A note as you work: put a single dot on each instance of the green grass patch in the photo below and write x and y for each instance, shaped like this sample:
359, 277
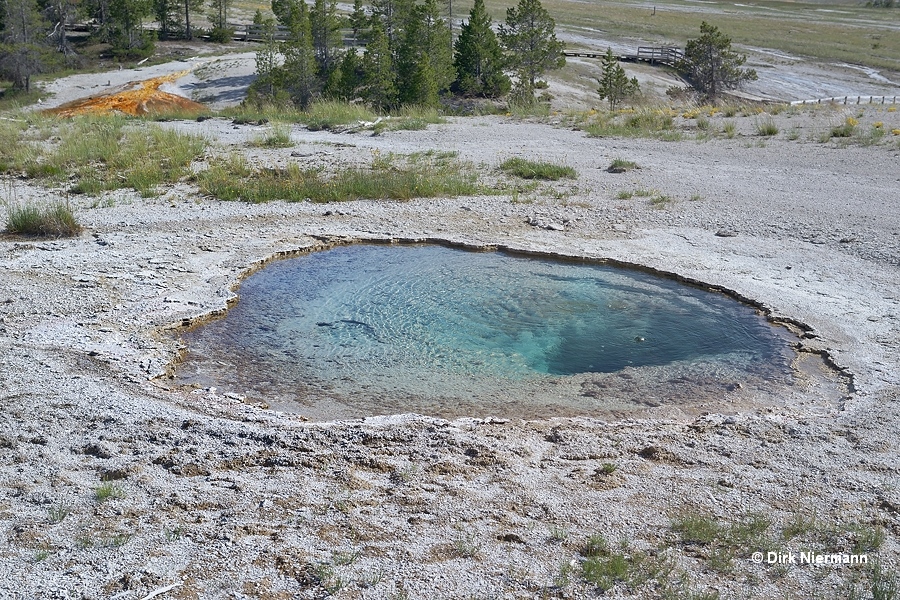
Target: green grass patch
723, 541
108, 491
620, 165
51, 220
643, 123
97, 154
278, 136
766, 127
411, 118
330, 114
422, 176
605, 567
529, 169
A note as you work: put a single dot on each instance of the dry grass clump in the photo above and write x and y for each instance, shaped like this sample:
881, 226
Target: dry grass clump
52, 220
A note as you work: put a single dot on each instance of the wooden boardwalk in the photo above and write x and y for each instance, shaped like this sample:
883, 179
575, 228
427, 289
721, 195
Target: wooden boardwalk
668, 56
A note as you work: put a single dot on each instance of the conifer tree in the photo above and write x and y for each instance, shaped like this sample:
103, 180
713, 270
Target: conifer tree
266, 57
614, 83
127, 35
359, 22
325, 25
378, 86
219, 17
479, 59
530, 41
351, 76
711, 65
394, 15
424, 64
299, 72
22, 49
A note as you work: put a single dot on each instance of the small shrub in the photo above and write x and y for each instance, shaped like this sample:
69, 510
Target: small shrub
58, 513
596, 545
466, 546
608, 468
108, 491
729, 128
528, 169
279, 136
794, 134
624, 195
702, 123
54, 220
620, 165
661, 200
695, 528
884, 585
845, 129
766, 127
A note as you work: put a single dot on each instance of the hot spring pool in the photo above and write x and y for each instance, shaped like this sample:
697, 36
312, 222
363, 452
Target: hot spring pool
367, 330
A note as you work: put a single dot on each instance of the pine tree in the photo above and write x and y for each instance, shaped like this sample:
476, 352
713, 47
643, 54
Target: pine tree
22, 51
614, 83
190, 6
378, 87
218, 15
359, 22
530, 41
325, 25
127, 35
351, 76
266, 57
479, 59
394, 16
299, 72
424, 64
710, 64
168, 15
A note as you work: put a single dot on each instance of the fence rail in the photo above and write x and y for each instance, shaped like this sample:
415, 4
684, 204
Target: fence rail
847, 100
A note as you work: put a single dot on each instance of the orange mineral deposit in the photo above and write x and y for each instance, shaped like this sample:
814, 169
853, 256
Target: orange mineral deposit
134, 98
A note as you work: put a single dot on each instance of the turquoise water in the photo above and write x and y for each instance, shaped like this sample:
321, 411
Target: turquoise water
368, 329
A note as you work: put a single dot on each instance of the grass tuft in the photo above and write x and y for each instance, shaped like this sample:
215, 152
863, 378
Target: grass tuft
53, 220
108, 491
529, 169
766, 127
620, 165
330, 114
279, 136
423, 176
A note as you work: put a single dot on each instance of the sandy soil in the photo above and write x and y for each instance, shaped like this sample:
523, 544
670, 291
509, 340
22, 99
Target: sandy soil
231, 500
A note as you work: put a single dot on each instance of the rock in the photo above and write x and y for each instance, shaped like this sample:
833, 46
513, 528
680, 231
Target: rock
726, 233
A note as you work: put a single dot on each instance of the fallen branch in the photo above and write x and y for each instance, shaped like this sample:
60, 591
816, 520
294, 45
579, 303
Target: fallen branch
161, 590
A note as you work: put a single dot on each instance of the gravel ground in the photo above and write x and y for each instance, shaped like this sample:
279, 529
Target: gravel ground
113, 483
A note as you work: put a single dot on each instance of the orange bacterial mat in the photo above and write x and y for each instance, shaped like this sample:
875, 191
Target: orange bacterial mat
135, 98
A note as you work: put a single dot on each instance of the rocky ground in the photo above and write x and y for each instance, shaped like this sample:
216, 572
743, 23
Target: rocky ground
116, 484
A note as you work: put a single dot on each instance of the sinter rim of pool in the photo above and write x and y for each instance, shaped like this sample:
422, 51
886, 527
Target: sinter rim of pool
591, 385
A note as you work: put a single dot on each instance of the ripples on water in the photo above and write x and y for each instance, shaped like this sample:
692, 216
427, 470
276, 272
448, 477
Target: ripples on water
368, 329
